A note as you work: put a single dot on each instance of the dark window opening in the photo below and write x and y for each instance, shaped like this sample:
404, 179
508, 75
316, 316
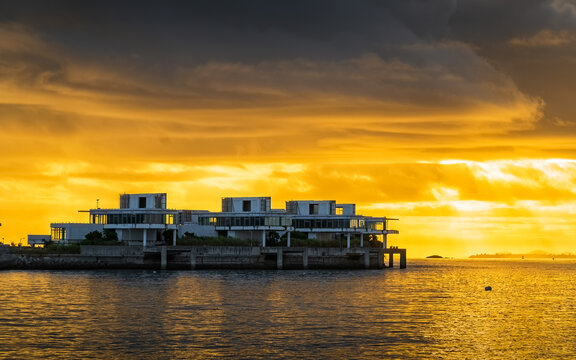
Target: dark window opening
142, 202
313, 209
246, 205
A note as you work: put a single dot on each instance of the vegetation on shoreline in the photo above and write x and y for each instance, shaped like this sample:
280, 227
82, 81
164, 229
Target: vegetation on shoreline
533, 255
192, 240
297, 239
109, 237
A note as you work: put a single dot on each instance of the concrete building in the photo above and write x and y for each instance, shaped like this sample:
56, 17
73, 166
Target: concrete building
144, 219
36, 240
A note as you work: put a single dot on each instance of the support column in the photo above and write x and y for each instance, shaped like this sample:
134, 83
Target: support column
403, 259
384, 241
120, 235
144, 236
361, 240
288, 239
279, 259
163, 258
192, 260
380, 258
305, 258
367, 258
174, 236
348, 240
391, 260
263, 238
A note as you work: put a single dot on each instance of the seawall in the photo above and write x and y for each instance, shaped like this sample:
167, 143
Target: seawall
207, 257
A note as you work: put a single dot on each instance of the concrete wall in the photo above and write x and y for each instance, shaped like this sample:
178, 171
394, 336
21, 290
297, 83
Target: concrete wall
200, 257
347, 209
150, 201
34, 240
302, 207
98, 250
76, 232
236, 204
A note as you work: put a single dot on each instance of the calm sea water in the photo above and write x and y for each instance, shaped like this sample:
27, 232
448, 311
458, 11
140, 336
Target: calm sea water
435, 309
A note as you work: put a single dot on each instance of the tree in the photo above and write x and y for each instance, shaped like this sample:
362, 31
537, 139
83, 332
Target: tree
97, 238
273, 238
110, 235
93, 236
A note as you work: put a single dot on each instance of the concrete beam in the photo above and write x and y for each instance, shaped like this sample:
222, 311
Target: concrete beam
279, 259
192, 260
163, 258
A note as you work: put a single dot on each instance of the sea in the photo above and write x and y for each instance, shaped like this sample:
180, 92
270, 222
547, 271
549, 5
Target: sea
434, 309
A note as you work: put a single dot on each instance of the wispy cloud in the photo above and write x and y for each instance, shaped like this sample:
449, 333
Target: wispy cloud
546, 38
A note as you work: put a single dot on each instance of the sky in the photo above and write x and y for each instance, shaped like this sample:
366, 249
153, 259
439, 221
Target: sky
457, 117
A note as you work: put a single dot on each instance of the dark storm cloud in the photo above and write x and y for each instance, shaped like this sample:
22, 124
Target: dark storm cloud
184, 32
486, 21
228, 30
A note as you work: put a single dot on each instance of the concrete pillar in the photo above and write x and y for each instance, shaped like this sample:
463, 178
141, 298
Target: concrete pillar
367, 258
348, 240
263, 238
174, 236
391, 260
280, 259
144, 236
380, 258
163, 258
305, 258
362, 240
385, 241
120, 235
288, 239
403, 259
192, 260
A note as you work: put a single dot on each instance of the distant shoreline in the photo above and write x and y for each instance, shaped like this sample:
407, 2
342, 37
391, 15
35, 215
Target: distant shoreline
523, 256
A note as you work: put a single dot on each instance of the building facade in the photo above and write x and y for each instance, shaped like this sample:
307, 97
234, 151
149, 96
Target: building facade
144, 219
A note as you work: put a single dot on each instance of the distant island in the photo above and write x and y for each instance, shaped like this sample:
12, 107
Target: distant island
434, 257
531, 255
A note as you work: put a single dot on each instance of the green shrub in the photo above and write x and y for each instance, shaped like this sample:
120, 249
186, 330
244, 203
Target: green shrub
192, 240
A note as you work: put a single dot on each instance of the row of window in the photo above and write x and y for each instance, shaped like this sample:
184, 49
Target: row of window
327, 223
245, 221
133, 219
285, 221
58, 233
337, 224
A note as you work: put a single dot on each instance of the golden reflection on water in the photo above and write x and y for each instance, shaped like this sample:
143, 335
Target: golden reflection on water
433, 309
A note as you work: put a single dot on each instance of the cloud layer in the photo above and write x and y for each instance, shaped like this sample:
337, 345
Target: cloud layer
447, 109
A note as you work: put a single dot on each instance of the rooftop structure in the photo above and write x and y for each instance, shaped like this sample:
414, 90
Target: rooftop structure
144, 219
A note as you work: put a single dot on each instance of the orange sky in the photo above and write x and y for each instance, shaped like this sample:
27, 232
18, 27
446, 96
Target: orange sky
469, 141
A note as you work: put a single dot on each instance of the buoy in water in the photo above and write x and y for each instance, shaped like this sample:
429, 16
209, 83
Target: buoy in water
488, 288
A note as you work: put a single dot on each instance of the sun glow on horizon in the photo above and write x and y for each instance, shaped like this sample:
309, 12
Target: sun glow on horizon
459, 207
